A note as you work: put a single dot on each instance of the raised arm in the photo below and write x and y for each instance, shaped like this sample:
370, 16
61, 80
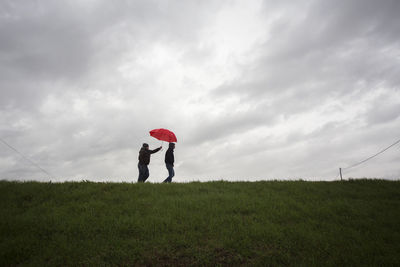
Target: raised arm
155, 150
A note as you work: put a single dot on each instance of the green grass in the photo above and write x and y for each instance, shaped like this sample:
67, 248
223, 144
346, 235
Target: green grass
297, 223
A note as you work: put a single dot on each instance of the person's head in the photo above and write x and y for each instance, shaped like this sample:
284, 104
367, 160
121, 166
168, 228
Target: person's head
172, 145
145, 146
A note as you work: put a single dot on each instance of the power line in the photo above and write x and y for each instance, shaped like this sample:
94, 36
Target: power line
27, 159
380, 152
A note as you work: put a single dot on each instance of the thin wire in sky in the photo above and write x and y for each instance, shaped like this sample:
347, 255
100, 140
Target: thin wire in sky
373, 156
27, 159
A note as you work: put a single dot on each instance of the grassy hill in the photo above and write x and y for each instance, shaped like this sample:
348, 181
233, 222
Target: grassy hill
273, 223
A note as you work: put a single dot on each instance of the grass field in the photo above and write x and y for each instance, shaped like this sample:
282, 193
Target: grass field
296, 223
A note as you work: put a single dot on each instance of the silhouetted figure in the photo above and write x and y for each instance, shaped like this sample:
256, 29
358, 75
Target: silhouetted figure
144, 160
169, 162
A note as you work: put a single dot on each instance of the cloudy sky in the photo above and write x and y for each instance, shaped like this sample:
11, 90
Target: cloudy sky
253, 90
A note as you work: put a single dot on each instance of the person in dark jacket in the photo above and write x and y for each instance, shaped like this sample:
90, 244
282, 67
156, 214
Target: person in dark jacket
169, 162
144, 160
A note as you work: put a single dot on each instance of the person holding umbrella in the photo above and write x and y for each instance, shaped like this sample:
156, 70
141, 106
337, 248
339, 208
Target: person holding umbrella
144, 160
167, 136
169, 162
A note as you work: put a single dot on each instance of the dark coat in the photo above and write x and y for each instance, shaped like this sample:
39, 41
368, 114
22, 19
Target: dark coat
144, 155
169, 156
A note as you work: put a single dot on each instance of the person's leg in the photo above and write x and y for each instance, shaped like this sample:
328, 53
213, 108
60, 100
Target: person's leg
141, 173
171, 173
146, 173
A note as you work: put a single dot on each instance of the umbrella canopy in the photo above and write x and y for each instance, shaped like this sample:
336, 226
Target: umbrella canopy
163, 135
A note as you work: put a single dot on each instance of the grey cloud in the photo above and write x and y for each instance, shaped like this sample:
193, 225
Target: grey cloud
340, 44
43, 43
231, 123
314, 53
329, 26
383, 113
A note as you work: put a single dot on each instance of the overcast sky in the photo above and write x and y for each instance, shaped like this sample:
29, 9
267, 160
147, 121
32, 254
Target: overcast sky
253, 90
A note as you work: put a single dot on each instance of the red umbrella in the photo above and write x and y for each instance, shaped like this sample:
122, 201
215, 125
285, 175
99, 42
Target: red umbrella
163, 135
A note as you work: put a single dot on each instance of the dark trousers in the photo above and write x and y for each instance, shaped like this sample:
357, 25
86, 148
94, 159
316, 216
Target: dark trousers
171, 173
143, 173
